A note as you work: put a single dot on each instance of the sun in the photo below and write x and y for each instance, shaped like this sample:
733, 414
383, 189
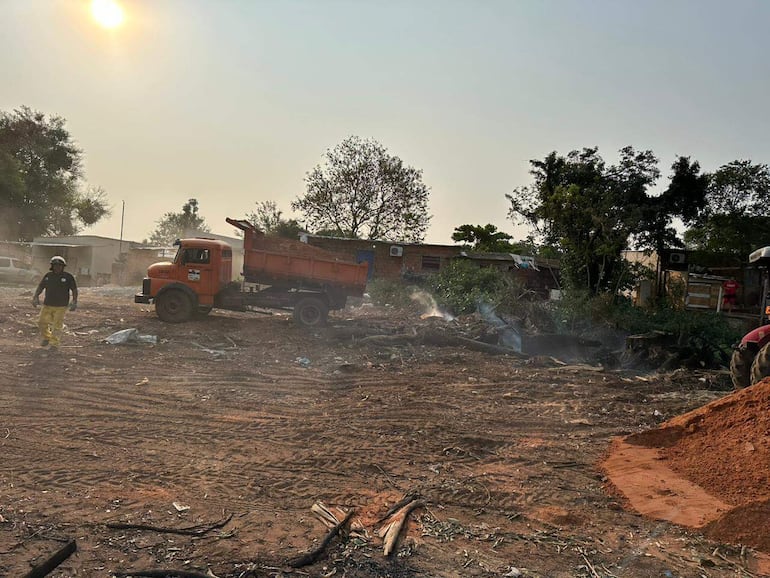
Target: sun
108, 13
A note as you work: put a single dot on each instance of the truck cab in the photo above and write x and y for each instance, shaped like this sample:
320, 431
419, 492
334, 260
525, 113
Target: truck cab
201, 269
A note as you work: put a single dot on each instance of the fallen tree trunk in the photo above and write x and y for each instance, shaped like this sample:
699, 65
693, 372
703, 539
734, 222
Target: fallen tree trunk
398, 339
440, 340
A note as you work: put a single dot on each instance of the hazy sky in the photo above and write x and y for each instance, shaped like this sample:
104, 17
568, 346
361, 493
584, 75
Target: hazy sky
234, 101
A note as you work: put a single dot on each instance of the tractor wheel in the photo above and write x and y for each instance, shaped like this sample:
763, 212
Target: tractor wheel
174, 306
740, 367
311, 312
760, 367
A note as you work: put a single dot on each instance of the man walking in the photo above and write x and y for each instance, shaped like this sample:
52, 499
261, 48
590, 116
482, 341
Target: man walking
730, 291
57, 284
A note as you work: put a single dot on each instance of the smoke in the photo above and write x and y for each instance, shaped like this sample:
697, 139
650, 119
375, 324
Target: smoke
428, 305
509, 335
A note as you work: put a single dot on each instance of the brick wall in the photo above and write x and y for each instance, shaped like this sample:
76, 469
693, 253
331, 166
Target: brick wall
414, 259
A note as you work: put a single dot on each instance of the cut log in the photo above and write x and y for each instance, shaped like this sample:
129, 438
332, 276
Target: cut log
50, 564
393, 529
441, 339
398, 339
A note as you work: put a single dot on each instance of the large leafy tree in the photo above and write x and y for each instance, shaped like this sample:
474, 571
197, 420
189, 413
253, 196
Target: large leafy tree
487, 238
362, 191
737, 219
591, 210
269, 218
42, 189
685, 199
482, 238
172, 226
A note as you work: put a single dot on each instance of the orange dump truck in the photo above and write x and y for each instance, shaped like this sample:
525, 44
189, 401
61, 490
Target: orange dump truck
277, 273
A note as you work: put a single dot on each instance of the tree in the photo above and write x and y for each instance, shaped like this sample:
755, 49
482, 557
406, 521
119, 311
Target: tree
268, 218
489, 239
41, 179
591, 210
172, 226
736, 216
364, 192
684, 198
486, 238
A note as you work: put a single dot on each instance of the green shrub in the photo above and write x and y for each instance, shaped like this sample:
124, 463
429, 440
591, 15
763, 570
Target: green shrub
580, 313
389, 292
461, 285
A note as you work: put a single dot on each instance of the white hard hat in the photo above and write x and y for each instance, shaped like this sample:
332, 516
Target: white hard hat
57, 260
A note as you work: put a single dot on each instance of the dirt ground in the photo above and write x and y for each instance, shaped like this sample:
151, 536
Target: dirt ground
233, 426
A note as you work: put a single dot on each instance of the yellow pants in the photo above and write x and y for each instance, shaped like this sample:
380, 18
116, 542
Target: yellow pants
51, 322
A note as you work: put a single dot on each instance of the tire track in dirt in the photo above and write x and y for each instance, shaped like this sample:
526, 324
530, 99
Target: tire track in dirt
222, 453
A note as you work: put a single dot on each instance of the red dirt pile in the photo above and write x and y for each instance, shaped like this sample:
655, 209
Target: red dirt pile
722, 448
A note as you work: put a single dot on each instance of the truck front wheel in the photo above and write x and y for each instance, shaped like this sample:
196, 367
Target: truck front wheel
173, 306
311, 312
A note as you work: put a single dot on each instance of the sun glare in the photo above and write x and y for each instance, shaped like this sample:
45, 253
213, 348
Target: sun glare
107, 13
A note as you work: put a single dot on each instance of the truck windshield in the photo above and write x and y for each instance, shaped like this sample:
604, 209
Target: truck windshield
196, 255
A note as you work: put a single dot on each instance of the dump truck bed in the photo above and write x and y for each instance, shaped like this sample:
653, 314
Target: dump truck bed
295, 264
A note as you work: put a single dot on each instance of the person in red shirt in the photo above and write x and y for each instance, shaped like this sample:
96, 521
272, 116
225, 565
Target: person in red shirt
729, 293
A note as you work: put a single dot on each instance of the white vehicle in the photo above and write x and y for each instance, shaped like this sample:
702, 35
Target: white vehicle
13, 270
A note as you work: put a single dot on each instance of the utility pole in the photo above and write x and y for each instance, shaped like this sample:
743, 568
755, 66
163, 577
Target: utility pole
122, 215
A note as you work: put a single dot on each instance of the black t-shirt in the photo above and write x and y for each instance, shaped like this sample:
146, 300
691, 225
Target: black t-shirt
57, 288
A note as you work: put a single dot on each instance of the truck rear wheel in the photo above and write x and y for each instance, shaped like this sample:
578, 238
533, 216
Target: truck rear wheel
760, 368
740, 367
311, 312
173, 306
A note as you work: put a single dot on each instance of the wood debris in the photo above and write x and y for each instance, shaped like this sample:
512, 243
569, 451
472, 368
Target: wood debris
189, 531
312, 556
392, 529
50, 563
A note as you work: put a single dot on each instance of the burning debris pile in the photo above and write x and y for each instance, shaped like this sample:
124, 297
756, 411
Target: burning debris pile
486, 330
533, 331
